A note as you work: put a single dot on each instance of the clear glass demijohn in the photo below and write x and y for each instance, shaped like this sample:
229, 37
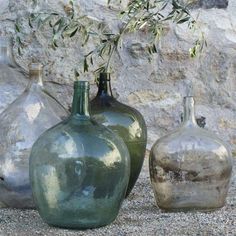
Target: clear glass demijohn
190, 169
21, 124
13, 79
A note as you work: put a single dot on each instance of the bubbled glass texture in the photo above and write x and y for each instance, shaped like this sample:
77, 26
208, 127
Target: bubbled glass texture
21, 124
79, 171
190, 168
126, 122
13, 79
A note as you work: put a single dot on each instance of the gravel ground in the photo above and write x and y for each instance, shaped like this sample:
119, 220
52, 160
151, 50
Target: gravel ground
138, 216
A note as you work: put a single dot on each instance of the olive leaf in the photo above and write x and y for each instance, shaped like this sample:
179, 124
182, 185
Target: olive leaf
148, 15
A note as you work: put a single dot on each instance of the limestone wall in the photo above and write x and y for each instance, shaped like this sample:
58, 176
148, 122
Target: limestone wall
155, 89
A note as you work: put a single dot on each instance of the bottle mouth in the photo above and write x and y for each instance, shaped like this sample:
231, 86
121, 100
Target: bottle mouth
104, 76
35, 68
81, 85
189, 99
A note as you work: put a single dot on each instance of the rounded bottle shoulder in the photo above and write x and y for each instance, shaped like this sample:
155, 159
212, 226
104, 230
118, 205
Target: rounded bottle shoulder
100, 103
30, 105
29, 110
193, 138
81, 130
122, 119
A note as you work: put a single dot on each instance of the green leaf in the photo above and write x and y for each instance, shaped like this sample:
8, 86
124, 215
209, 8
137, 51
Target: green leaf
154, 49
18, 40
17, 27
77, 74
74, 32
30, 23
91, 60
175, 4
19, 51
70, 31
85, 65
183, 20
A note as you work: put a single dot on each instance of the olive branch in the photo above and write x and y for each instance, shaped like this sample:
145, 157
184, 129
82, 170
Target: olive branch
150, 16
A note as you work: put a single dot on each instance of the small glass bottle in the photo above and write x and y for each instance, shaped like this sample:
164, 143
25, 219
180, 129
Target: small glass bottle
13, 79
21, 124
190, 169
125, 121
79, 170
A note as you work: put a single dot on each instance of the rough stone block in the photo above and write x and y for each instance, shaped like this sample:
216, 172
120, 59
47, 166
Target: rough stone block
210, 4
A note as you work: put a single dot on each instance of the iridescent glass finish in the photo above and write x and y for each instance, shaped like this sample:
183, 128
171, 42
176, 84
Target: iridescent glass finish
13, 79
125, 121
79, 170
190, 168
21, 124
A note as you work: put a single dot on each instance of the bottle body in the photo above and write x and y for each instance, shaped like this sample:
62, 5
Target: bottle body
190, 169
126, 122
79, 173
21, 124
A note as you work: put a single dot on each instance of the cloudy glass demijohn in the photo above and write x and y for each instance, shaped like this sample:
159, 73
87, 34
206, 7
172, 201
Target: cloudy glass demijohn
33, 112
190, 168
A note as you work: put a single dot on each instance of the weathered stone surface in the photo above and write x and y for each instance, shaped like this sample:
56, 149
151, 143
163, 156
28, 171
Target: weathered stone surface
155, 88
210, 3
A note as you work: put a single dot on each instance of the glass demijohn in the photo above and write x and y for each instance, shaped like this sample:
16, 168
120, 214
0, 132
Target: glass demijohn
21, 124
12, 78
190, 168
79, 169
125, 121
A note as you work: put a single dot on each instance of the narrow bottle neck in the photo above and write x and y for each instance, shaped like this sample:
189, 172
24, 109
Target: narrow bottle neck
80, 104
104, 85
189, 112
36, 79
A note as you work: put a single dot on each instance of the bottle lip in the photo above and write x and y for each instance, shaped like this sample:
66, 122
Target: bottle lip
189, 99
81, 84
185, 97
35, 67
104, 76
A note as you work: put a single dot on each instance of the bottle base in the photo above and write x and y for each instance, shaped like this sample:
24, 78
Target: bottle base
190, 209
78, 226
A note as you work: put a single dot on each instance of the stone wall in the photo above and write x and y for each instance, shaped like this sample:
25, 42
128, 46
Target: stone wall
156, 89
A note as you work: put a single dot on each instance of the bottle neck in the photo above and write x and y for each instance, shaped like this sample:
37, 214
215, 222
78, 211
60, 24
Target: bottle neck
80, 105
104, 85
36, 78
189, 112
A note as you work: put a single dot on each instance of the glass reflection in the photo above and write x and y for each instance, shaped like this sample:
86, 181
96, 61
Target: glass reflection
125, 121
90, 170
190, 169
13, 79
21, 124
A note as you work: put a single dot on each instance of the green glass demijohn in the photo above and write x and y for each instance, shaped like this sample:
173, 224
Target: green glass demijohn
32, 113
190, 168
79, 169
125, 121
